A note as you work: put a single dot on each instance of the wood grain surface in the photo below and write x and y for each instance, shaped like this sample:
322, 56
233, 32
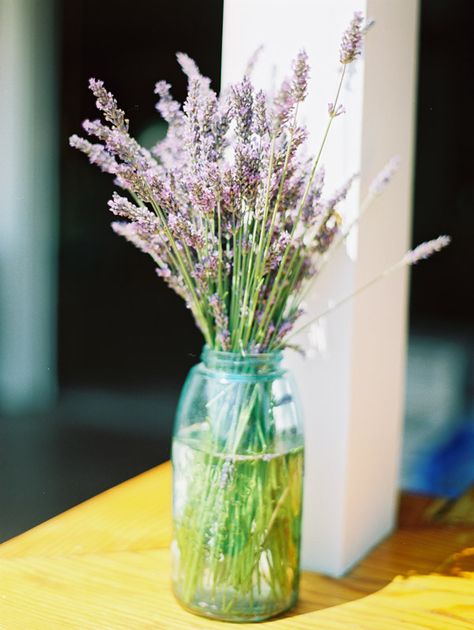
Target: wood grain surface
105, 565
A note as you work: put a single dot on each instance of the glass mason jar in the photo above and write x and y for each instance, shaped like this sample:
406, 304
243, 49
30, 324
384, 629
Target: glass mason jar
237, 488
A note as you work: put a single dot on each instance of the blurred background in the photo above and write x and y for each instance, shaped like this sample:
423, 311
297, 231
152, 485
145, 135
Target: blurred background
93, 347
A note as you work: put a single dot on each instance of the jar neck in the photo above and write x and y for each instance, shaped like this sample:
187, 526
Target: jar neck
264, 364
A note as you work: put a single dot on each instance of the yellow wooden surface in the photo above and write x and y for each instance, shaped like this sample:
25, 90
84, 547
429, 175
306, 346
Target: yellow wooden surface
105, 565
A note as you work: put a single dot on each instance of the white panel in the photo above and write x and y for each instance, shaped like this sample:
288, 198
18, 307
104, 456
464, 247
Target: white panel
352, 393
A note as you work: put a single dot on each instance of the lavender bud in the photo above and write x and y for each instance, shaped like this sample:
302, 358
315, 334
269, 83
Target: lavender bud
221, 319
242, 105
260, 118
167, 106
163, 272
300, 76
335, 111
107, 104
351, 45
96, 153
341, 193
382, 179
253, 60
425, 250
96, 128
284, 103
191, 70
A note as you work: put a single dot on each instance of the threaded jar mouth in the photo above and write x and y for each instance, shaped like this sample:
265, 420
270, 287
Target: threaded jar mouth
238, 363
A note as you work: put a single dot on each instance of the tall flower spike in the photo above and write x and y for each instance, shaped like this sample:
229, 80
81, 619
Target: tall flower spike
122, 207
284, 103
96, 153
425, 250
341, 193
253, 60
221, 319
260, 117
96, 128
351, 45
242, 103
167, 106
191, 70
107, 104
300, 76
382, 179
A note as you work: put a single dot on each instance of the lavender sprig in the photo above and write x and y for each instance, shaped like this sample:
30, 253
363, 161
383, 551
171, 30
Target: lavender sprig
351, 45
106, 103
383, 179
425, 250
412, 257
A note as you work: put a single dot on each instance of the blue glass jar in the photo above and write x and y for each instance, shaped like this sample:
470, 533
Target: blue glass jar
237, 488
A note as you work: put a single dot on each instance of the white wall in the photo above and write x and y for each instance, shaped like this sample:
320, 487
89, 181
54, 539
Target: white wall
353, 392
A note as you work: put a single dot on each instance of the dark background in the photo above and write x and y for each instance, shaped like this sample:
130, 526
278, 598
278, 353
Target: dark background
130, 330
125, 341
441, 292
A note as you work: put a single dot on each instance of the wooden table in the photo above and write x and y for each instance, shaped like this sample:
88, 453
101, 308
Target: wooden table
105, 565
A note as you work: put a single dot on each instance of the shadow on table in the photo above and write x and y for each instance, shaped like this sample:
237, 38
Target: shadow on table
90, 442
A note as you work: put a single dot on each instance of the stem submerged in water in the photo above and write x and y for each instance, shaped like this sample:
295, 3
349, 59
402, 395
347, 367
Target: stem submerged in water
237, 512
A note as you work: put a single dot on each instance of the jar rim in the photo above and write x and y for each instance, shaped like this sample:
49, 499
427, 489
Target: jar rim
231, 355
264, 365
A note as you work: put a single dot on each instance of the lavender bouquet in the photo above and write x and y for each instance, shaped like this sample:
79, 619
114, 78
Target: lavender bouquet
232, 214
236, 220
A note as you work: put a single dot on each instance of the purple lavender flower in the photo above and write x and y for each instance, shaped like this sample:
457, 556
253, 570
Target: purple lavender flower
334, 111
247, 171
341, 193
121, 206
251, 63
96, 128
284, 329
277, 249
129, 179
96, 153
284, 104
425, 250
260, 118
205, 272
221, 319
201, 195
382, 179
185, 231
175, 281
267, 338
167, 106
163, 272
300, 76
313, 207
242, 102
107, 104
138, 237
190, 69
327, 232
351, 45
